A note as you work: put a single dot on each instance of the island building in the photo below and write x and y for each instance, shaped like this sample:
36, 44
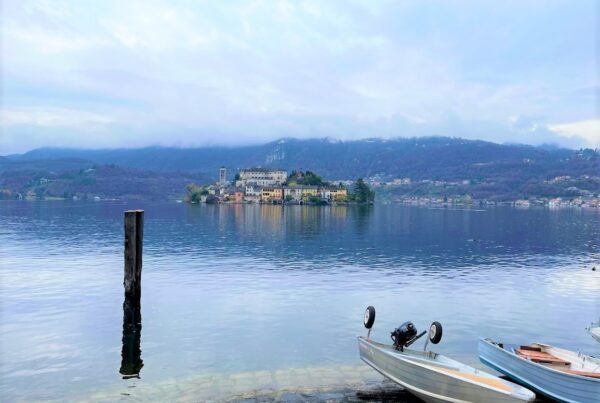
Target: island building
271, 194
223, 176
262, 185
261, 177
333, 193
238, 196
301, 194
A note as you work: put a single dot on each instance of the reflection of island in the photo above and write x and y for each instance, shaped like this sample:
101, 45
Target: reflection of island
131, 352
362, 215
287, 234
271, 219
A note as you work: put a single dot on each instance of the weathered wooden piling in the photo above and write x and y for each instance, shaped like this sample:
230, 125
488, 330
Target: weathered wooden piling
134, 241
131, 361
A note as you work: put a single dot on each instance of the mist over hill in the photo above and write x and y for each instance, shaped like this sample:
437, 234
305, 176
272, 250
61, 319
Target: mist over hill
500, 167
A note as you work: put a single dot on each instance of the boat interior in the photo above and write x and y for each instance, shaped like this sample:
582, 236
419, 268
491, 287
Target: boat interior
559, 359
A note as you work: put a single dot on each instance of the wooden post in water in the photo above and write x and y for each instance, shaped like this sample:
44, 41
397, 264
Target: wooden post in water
134, 241
131, 361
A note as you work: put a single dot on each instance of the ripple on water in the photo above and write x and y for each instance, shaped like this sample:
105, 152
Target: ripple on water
250, 289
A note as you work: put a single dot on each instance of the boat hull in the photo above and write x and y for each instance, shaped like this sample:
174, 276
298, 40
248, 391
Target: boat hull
431, 385
549, 382
595, 333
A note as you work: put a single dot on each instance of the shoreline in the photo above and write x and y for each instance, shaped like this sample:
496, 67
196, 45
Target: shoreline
476, 205
331, 383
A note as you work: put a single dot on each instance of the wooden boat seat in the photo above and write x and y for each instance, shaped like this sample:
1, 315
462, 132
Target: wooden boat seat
493, 382
536, 354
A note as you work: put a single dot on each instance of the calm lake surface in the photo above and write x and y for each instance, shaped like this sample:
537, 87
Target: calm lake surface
241, 288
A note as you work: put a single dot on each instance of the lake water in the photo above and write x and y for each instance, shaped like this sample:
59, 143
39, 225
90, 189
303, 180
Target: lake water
249, 289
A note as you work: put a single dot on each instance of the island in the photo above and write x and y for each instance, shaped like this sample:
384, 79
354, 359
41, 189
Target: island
275, 186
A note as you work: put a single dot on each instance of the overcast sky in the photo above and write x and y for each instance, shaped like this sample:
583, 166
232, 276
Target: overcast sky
135, 73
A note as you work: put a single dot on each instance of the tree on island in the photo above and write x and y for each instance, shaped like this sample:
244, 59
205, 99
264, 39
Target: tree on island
307, 178
195, 193
212, 199
362, 193
316, 200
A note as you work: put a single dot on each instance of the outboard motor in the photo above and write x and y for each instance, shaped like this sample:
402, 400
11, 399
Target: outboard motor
405, 335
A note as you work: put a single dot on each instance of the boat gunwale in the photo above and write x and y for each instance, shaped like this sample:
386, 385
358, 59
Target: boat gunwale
512, 353
515, 389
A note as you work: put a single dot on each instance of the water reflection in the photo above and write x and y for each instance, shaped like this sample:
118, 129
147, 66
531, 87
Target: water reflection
362, 216
285, 286
407, 235
131, 352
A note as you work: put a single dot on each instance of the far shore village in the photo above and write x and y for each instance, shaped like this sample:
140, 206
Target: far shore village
274, 186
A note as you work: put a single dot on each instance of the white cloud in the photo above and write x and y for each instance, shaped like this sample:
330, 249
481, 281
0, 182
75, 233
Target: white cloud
588, 130
50, 117
46, 42
253, 71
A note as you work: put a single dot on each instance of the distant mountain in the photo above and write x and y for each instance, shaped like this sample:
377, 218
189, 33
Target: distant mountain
91, 180
483, 169
418, 158
18, 163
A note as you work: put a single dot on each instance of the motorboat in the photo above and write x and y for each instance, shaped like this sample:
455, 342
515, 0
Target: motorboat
594, 330
551, 371
431, 376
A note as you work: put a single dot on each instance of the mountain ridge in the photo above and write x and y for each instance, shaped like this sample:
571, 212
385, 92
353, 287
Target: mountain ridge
432, 166
338, 159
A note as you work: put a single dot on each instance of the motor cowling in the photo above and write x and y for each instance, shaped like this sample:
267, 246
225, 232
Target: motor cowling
403, 334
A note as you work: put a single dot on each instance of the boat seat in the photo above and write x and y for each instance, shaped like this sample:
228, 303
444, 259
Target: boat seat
531, 348
536, 354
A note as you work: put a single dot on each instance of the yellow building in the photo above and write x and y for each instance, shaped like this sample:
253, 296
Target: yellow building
269, 194
334, 194
309, 191
339, 194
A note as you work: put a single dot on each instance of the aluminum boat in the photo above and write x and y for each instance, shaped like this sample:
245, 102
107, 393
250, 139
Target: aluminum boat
594, 330
431, 376
554, 372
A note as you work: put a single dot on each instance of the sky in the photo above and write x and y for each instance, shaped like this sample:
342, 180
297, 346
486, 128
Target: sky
127, 73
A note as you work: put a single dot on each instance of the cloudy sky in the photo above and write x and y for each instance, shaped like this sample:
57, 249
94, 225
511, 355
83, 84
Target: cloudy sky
135, 73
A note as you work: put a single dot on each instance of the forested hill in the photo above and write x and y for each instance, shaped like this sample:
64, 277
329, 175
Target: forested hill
437, 158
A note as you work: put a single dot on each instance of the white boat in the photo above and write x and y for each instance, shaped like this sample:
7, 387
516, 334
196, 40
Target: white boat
594, 330
554, 372
434, 377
